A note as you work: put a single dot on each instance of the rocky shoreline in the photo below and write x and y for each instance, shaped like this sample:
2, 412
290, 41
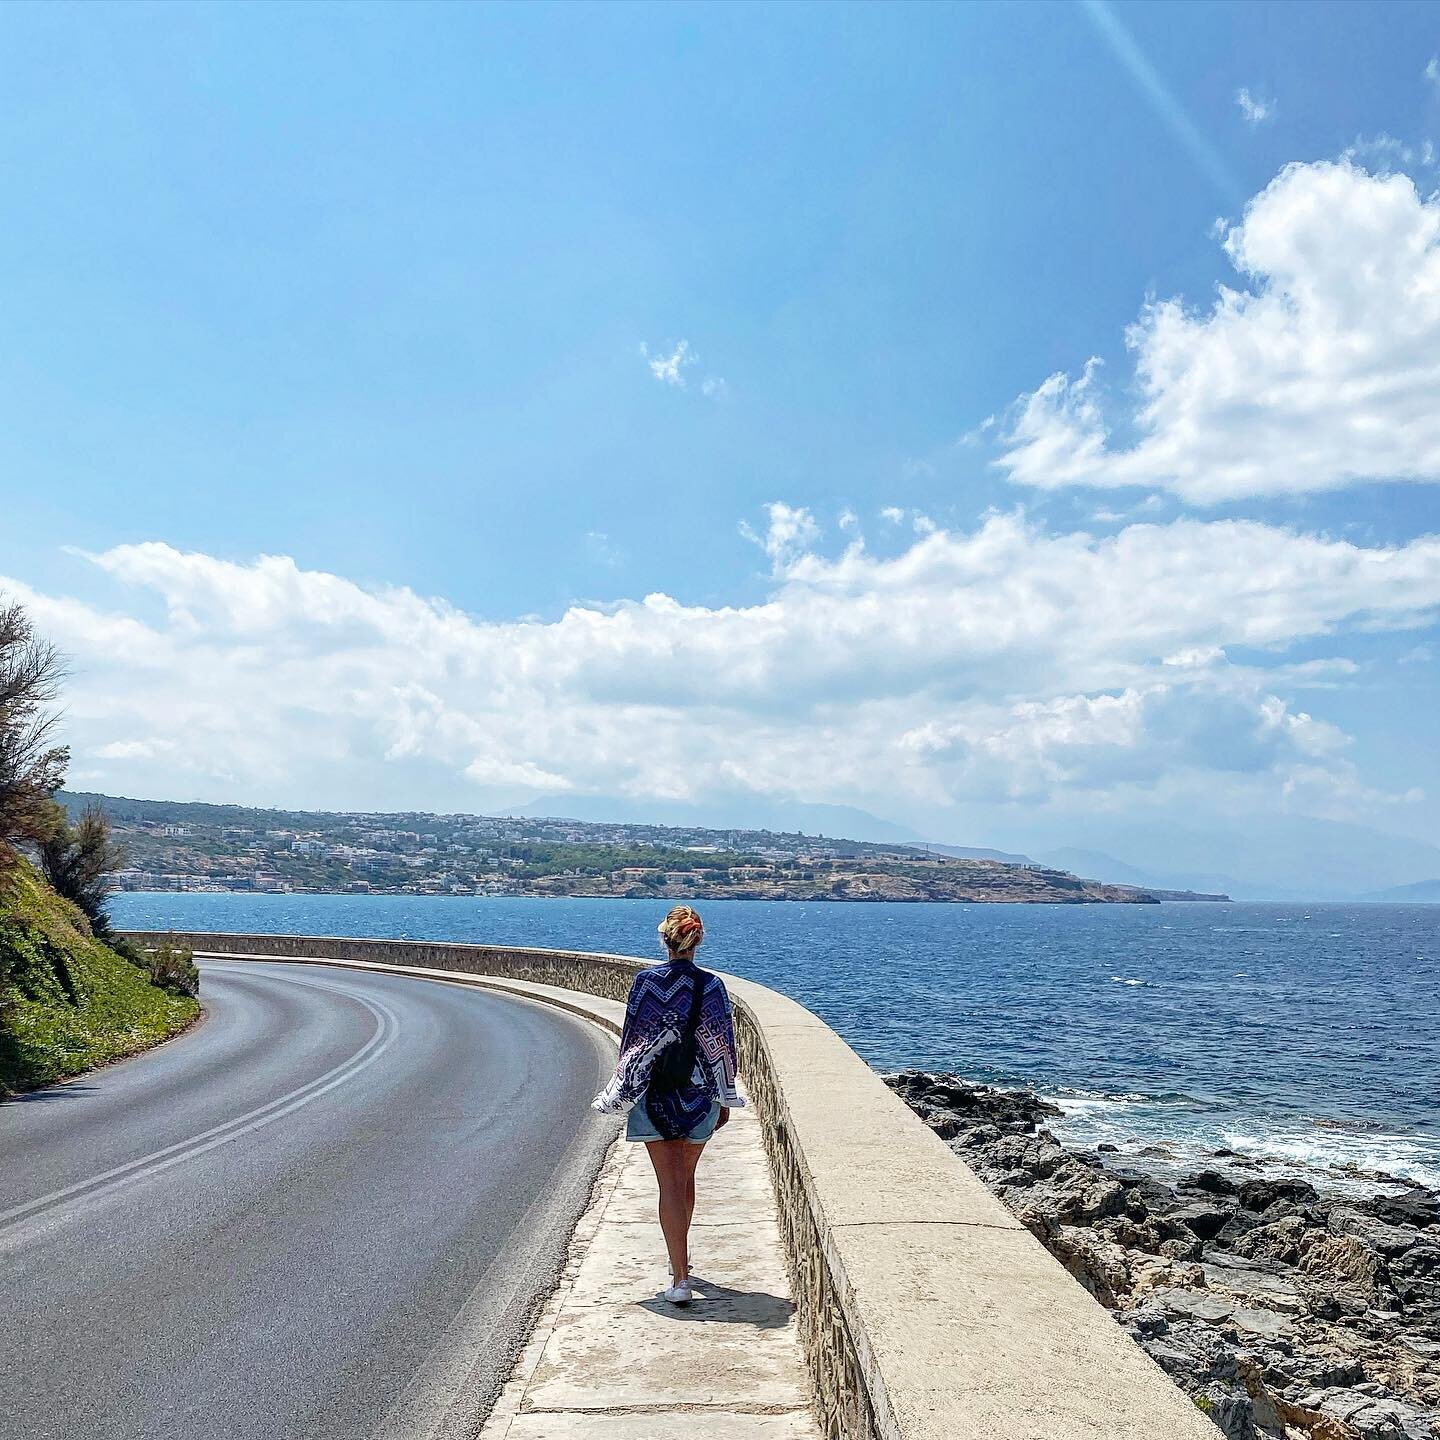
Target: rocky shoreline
1283, 1312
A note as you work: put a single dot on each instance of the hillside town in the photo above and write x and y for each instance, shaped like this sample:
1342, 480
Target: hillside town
178, 846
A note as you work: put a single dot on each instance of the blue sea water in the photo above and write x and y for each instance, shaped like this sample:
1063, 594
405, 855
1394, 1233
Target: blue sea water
1305, 1033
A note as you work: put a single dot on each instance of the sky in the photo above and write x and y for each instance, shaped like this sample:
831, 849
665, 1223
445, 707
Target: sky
1019, 422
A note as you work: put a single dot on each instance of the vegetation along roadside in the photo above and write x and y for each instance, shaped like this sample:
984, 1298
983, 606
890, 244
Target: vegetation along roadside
72, 995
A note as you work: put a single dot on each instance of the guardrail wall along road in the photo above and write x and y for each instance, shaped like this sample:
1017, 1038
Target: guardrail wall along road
926, 1310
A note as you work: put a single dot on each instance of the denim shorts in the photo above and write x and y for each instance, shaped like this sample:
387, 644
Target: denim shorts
640, 1126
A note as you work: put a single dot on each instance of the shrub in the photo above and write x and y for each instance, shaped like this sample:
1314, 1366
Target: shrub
77, 860
30, 768
172, 967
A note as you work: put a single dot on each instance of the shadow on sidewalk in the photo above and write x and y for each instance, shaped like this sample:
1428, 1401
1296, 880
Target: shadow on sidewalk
732, 1307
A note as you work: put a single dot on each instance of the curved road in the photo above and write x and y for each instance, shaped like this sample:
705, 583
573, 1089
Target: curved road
327, 1211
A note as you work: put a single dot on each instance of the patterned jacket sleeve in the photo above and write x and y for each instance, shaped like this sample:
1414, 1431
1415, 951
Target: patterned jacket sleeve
639, 1045
716, 1042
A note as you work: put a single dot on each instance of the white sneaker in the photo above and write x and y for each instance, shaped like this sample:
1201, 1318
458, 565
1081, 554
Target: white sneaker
680, 1294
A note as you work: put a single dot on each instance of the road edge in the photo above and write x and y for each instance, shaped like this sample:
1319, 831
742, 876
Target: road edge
452, 1395
607, 1014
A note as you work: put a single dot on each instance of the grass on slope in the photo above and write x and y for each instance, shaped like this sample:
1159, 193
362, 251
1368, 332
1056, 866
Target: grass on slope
67, 1002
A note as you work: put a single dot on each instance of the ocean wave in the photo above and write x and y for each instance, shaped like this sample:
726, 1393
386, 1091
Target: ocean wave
1330, 1153
1068, 1095
1407, 1157
1126, 980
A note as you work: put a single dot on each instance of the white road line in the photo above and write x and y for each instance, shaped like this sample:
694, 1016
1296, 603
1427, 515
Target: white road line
382, 1037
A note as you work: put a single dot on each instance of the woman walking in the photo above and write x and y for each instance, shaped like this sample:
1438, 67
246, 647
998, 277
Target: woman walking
676, 1076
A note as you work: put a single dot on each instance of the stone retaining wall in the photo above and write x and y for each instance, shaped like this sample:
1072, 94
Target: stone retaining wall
926, 1311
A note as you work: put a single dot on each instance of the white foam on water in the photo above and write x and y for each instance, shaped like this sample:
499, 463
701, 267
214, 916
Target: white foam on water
1407, 1157
1188, 1132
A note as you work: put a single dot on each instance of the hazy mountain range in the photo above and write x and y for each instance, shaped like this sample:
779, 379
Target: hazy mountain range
1282, 857
1424, 892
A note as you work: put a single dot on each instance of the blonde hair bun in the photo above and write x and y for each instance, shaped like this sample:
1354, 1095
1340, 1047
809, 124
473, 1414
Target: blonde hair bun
682, 929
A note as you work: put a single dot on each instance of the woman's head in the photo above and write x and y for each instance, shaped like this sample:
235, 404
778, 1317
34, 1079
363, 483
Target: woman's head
682, 930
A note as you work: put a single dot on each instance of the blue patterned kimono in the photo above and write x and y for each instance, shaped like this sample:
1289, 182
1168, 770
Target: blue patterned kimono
656, 1012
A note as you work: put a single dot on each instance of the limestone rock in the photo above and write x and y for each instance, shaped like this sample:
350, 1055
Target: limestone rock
1377, 1234
1202, 1219
1284, 1312
1372, 1417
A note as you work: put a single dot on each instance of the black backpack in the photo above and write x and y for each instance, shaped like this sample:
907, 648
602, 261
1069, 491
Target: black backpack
675, 1064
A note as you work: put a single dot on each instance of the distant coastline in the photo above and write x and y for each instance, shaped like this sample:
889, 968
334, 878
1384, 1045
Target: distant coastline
798, 895
173, 845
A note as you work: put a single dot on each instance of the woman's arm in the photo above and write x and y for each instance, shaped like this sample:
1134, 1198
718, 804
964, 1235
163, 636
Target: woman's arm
642, 1037
632, 1075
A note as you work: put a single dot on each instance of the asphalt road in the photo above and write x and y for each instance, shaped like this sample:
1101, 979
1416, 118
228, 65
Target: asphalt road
327, 1211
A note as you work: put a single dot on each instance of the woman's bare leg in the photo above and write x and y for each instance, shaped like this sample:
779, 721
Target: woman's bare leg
674, 1162
689, 1159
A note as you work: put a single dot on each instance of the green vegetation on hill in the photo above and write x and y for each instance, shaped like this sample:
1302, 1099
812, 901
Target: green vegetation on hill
178, 845
71, 994
67, 1002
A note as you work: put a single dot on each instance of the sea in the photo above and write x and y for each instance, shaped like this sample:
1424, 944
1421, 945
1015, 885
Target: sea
1305, 1035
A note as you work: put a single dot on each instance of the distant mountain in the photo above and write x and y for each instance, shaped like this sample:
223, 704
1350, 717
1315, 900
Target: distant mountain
749, 812
1097, 865
1262, 857
1424, 892
970, 852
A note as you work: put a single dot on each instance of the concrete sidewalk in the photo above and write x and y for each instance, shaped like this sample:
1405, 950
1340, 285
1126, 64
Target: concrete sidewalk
610, 1360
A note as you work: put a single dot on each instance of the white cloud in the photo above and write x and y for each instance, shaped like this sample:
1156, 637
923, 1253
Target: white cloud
1006, 662
670, 369
1337, 792
893, 513
1255, 111
1033, 748
1384, 154
1432, 70
492, 770
132, 750
789, 532
1323, 373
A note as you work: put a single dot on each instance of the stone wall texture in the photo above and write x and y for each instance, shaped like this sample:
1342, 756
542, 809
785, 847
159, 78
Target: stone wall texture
925, 1310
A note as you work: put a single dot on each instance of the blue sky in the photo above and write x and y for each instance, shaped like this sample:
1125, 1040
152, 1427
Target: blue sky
397, 292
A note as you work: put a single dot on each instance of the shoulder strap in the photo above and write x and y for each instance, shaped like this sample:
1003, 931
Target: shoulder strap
697, 995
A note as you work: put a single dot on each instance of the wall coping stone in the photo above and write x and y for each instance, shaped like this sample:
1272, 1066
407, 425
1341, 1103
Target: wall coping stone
926, 1310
